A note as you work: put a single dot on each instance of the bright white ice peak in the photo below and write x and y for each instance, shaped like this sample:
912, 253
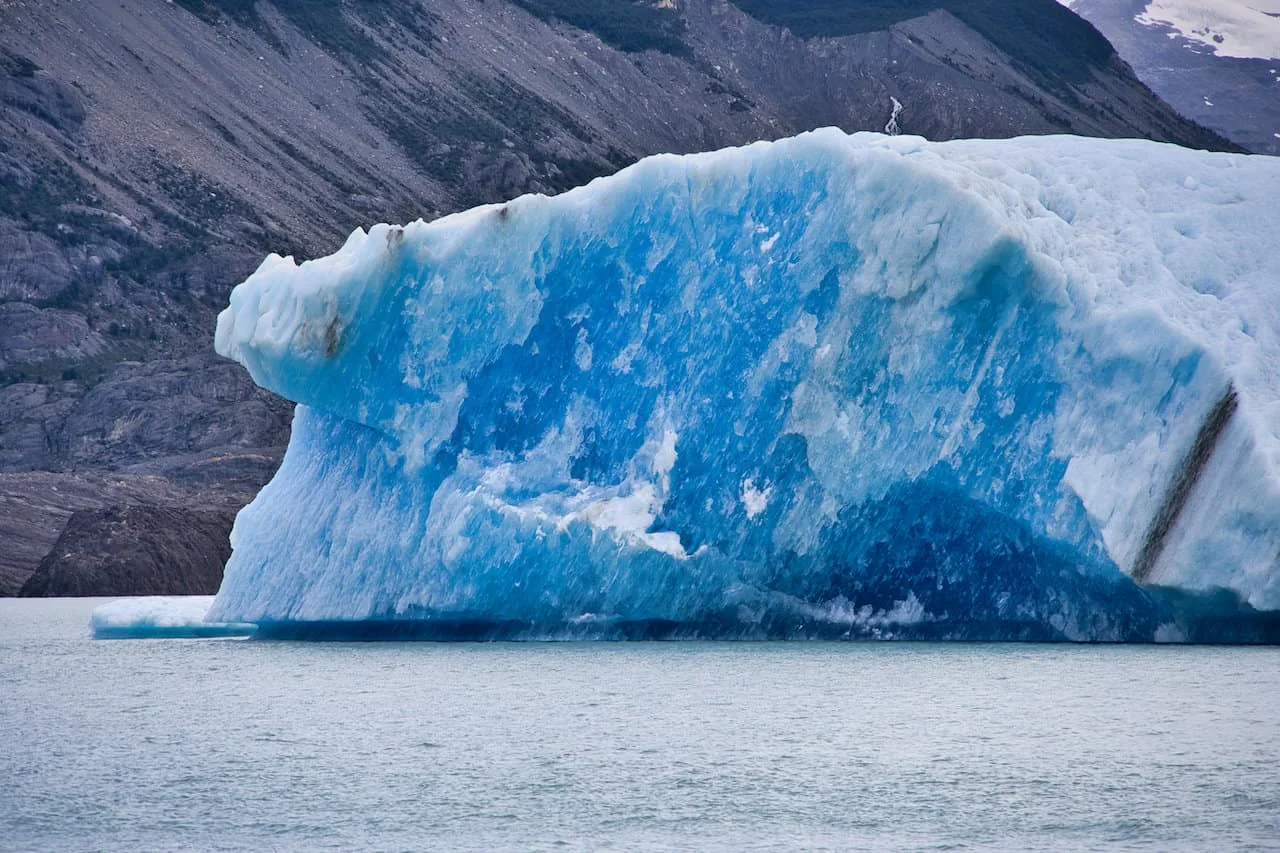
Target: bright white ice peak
643, 397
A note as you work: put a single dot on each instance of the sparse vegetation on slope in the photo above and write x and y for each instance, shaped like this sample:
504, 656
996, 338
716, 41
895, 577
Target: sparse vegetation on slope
338, 26
628, 25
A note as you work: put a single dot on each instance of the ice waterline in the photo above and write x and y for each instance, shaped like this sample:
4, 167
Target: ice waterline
828, 386
161, 617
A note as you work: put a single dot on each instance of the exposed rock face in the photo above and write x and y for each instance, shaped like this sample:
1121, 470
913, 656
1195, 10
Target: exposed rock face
35, 335
130, 550
33, 267
152, 153
141, 414
36, 507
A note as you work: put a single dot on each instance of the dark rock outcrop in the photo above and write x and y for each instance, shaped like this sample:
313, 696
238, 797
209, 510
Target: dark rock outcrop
136, 550
34, 335
36, 507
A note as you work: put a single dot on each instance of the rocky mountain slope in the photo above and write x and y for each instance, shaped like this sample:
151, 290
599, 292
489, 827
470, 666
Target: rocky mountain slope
1231, 87
152, 152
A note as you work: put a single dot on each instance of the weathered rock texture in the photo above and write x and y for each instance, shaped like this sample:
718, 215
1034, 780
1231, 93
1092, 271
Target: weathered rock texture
36, 508
131, 550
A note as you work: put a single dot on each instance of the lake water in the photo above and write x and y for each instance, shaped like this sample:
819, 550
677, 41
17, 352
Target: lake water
244, 744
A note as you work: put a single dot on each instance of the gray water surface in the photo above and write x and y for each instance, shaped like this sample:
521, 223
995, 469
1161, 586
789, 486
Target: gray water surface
244, 744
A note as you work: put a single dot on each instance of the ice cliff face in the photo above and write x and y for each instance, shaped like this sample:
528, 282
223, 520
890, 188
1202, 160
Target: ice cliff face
834, 384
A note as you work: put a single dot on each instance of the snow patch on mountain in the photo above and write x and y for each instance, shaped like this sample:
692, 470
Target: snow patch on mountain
1245, 29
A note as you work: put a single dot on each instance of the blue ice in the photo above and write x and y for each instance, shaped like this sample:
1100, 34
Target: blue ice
828, 386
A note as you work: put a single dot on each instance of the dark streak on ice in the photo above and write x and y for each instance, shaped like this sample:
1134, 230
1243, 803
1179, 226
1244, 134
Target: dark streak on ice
332, 335
1189, 472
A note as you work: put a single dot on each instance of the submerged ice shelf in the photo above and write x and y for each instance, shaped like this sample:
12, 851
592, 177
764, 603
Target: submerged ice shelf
833, 385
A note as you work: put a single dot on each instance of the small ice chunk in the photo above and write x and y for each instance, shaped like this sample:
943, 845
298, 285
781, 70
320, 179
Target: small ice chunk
161, 617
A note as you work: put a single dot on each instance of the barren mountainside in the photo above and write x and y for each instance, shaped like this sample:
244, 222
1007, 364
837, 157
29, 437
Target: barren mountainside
151, 153
1237, 96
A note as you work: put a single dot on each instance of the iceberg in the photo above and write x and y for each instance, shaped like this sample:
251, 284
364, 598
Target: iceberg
830, 386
